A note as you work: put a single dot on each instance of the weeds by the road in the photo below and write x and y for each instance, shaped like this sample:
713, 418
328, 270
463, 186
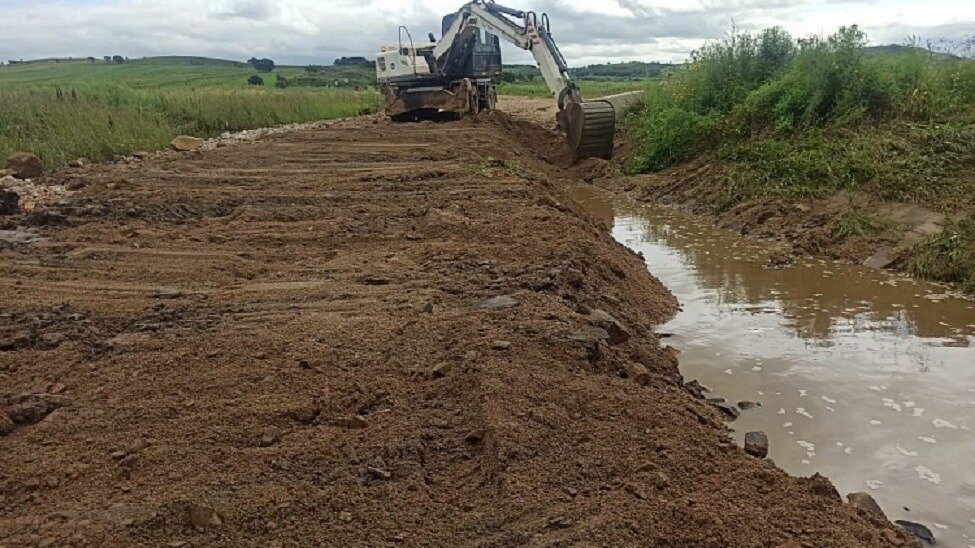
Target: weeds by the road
810, 118
949, 256
590, 89
859, 224
491, 167
98, 122
814, 116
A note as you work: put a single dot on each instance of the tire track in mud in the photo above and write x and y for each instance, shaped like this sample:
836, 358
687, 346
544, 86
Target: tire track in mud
361, 335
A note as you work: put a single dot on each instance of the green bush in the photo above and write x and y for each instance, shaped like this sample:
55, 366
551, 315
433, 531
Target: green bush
671, 136
768, 85
949, 255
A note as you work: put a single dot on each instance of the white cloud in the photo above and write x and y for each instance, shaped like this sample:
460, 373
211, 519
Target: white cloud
316, 31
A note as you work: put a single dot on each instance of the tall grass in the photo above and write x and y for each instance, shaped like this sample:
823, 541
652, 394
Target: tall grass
817, 116
769, 86
100, 121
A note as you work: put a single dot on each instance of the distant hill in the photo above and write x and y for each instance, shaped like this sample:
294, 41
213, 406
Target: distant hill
898, 49
163, 72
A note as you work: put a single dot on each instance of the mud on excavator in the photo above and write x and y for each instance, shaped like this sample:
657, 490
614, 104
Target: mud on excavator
455, 74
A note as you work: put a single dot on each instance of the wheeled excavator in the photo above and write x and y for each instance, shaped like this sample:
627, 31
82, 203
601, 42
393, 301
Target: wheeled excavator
455, 74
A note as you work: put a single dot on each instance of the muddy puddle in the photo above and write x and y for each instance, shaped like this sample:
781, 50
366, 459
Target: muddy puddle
864, 376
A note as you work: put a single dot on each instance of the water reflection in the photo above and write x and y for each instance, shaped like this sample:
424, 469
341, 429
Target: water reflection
864, 376
820, 298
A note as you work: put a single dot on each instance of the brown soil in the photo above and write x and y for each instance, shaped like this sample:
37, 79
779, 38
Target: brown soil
362, 334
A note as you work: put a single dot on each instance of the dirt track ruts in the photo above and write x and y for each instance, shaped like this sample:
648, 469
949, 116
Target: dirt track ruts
294, 343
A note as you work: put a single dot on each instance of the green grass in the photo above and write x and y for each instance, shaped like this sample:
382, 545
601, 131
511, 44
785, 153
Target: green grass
154, 73
100, 122
799, 119
862, 225
591, 89
949, 255
64, 110
492, 167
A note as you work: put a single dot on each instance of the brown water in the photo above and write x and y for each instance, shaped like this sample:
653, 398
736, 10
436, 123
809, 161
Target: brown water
864, 376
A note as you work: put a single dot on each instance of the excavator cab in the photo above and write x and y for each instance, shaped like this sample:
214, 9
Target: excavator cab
482, 54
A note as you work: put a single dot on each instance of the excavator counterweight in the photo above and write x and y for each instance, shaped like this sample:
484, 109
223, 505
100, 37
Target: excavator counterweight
455, 74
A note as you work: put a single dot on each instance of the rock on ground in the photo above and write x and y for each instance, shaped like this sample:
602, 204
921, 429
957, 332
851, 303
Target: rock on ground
866, 503
756, 444
185, 143
25, 166
9, 201
918, 530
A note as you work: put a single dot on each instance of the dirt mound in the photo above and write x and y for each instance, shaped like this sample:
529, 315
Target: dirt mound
373, 340
25, 166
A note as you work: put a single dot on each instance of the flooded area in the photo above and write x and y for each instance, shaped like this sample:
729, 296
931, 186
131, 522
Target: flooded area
864, 376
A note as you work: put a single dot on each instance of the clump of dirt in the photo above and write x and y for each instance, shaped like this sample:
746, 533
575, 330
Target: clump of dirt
366, 343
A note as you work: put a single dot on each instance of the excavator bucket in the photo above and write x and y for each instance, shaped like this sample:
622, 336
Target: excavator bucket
589, 129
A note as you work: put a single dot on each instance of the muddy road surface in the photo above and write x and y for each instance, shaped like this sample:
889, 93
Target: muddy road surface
362, 334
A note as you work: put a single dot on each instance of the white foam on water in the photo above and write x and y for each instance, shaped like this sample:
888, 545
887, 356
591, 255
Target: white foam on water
892, 404
873, 484
906, 452
918, 411
828, 399
728, 371
875, 423
941, 526
787, 424
806, 445
926, 439
848, 450
926, 473
803, 393
802, 411
756, 369
939, 423
781, 411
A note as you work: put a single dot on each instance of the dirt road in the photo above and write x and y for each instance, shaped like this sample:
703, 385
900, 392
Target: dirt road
361, 335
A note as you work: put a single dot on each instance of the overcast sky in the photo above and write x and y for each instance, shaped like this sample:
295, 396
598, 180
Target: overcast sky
317, 31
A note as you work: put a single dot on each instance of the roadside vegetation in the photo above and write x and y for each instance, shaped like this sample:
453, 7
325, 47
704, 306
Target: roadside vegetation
810, 118
97, 111
590, 89
593, 80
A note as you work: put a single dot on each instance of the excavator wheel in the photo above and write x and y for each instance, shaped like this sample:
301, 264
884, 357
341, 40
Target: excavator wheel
589, 129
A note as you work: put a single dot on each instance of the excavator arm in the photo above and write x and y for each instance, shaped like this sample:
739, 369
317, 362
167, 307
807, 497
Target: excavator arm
589, 127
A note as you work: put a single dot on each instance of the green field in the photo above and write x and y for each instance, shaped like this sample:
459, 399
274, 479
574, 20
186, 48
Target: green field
151, 73
63, 110
590, 89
